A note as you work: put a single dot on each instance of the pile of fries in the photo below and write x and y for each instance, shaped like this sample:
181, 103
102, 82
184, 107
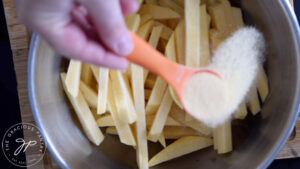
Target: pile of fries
138, 106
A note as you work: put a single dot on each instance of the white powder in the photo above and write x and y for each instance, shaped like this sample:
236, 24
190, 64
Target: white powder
212, 100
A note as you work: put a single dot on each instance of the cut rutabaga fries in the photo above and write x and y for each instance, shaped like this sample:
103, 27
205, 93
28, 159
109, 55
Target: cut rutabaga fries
122, 96
162, 140
123, 128
89, 94
170, 53
169, 121
223, 138
84, 114
204, 41
156, 96
73, 77
158, 12
262, 85
86, 73
176, 132
222, 19
182, 146
185, 31
172, 5
242, 111
111, 130
105, 121
253, 104
145, 18
192, 33
160, 117
102, 90
237, 17
137, 84
153, 41
133, 22
166, 31
180, 42
95, 71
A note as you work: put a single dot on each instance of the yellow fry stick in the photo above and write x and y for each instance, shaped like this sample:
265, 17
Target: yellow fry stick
153, 41
158, 12
153, 2
123, 128
86, 73
95, 71
145, 18
169, 122
262, 85
192, 33
253, 104
137, 83
133, 22
175, 132
84, 114
237, 17
156, 96
122, 96
162, 140
160, 117
172, 5
73, 77
105, 121
111, 130
89, 94
242, 112
204, 41
166, 31
180, 42
102, 90
224, 140
180, 3
180, 147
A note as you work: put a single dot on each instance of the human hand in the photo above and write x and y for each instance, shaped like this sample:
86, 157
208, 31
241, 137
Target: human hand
93, 31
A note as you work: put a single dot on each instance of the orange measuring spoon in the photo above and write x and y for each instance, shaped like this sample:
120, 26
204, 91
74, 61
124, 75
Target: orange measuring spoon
173, 73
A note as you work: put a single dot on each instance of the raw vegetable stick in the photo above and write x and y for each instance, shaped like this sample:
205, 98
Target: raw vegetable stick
253, 104
89, 94
160, 117
102, 90
123, 128
176, 132
137, 83
86, 73
73, 77
242, 111
162, 140
180, 42
224, 140
166, 31
133, 22
262, 85
153, 41
180, 147
158, 12
122, 96
84, 114
204, 41
172, 5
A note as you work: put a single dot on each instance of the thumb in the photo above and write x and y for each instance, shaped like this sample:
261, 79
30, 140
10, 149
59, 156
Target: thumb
110, 25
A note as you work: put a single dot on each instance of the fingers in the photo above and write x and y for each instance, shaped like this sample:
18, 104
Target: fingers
72, 42
129, 6
110, 25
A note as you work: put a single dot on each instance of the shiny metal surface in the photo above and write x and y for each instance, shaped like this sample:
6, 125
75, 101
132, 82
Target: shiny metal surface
256, 141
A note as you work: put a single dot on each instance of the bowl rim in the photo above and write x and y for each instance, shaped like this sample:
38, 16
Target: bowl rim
292, 20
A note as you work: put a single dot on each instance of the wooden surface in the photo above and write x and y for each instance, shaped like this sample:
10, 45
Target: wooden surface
19, 39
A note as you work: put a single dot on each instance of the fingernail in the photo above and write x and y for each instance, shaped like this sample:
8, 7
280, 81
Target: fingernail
124, 46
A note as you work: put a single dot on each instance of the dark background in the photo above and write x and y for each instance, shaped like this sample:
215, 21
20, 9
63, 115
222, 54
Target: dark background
9, 103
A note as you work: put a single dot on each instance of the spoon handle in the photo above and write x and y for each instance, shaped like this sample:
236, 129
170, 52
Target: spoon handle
146, 56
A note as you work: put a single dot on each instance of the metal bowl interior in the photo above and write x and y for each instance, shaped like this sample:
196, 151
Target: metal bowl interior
256, 140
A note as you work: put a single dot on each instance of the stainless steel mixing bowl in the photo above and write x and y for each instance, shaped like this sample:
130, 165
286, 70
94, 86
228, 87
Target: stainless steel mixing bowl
256, 141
